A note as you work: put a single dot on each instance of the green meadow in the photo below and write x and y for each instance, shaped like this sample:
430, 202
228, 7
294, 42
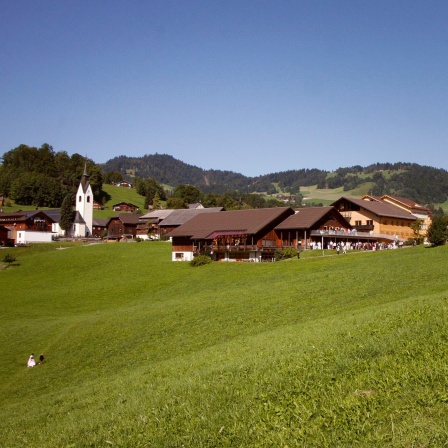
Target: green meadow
325, 351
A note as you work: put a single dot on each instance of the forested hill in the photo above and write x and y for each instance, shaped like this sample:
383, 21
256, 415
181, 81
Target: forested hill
166, 169
423, 184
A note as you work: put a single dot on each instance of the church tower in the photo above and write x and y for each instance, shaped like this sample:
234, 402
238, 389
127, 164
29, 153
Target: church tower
84, 206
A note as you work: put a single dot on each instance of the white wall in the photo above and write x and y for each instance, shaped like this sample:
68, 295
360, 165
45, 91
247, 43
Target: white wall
182, 256
32, 236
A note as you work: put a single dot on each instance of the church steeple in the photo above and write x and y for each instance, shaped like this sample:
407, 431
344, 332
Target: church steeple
85, 179
84, 206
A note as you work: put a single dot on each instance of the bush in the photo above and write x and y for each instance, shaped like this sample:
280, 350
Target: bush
201, 260
9, 259
283, 254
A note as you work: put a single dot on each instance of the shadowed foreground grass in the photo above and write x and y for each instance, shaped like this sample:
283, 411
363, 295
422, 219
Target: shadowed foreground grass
334, 351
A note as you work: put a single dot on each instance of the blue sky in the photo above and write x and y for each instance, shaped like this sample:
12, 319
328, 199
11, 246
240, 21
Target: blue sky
248, 86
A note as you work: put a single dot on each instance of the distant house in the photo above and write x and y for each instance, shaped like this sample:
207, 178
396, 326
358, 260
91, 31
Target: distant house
125, 207
99, 226
123, 184
122, 226
97, 205
195, 206
237, 235
384, 221
313, 224
181, 216
28, 227
149, 223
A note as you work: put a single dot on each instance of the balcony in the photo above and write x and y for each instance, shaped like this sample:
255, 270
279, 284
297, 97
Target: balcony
240, 248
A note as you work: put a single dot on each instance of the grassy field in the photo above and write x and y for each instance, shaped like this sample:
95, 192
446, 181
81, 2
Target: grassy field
334, 351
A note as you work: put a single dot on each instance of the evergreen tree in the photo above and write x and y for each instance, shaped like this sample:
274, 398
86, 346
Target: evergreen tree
156, 202
66, 219
438, 231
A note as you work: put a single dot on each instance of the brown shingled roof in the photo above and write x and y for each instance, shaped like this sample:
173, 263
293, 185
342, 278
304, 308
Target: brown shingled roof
379, 208
404, 201
248, 222
306, 217
181, 216
127, 218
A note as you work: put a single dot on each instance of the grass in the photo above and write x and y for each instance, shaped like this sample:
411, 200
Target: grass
322, 351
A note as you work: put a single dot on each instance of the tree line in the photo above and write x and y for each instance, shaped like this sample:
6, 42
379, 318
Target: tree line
422, 184
43, 177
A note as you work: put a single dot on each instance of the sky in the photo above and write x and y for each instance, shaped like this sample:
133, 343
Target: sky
253, 87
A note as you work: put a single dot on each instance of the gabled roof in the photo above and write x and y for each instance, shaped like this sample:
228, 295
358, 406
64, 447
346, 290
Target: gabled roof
100, 222
248, 222
22, 215
378, 208
181, 216
126, 218
157, 214
307, 217
77, 218
125, 203
406, 202
371, 197
53, 213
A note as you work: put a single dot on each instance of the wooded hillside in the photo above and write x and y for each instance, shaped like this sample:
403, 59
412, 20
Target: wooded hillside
423, 184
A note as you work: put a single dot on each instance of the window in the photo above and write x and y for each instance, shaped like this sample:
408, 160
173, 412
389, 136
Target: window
80, 199
357, 223
88, 198
370, 222
179, 256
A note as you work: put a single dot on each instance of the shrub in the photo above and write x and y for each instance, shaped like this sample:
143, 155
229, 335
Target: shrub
201, 260
283, 254
9, 259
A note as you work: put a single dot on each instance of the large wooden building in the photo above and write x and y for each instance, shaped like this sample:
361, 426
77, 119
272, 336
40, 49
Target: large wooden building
313, 224
238, 235
382, 220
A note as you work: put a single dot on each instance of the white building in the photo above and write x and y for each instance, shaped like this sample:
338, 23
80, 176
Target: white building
83, 223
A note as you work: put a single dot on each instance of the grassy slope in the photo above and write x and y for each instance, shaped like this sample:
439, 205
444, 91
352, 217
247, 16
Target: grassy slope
119, 194
333, 351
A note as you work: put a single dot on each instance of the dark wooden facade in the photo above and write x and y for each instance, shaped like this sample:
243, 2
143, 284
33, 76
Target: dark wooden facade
123, 224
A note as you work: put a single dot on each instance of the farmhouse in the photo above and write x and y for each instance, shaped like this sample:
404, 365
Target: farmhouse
123, 226
381, 220
150, 223
125, 207
27, 227
313, 224
99, 226
124, 184
237, 235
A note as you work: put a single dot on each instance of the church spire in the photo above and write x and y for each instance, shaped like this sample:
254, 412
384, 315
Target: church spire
85, 179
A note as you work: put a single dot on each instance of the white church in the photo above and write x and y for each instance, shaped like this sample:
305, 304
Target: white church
83, 219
